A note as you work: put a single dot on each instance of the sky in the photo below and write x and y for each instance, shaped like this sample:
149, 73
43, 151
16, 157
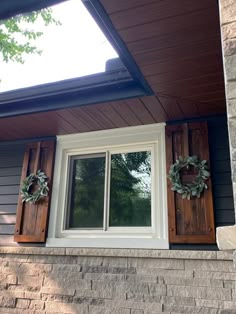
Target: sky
75, 49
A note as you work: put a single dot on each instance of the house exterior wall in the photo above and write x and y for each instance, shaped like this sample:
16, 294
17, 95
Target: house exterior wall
45, 281
228, 27
11, 160
220, 172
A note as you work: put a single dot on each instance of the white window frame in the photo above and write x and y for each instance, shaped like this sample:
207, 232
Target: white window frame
130, 139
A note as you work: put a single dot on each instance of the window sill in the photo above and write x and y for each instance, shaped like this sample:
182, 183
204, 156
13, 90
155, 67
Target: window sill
104, 252
116, 243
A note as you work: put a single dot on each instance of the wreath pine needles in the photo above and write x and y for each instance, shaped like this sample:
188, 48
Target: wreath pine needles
39, 179
195, 188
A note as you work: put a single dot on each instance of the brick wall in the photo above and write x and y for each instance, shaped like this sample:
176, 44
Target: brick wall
42, 280
228, 27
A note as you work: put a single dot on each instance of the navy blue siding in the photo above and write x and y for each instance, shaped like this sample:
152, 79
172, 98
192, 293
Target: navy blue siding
11, 159
221, 172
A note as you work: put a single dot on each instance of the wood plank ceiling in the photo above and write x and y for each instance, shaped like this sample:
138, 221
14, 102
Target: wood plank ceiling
176, 45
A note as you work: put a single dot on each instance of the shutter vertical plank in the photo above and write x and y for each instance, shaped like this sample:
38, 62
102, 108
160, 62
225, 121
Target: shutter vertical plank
190, 221
193, 206
32, 219
185, 140
46, 164
29, 210
180, 149
37, 157
20, 205
178, 145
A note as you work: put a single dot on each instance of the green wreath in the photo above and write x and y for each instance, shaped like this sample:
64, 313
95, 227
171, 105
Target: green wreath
39, 179
195, 188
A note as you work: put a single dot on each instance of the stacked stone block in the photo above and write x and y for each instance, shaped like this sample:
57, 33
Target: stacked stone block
228, 27
45, 281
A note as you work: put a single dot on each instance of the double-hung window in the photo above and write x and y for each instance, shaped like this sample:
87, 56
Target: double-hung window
109, 189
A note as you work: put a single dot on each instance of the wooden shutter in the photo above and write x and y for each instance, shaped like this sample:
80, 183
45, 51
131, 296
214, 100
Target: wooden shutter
32, 219
190, 221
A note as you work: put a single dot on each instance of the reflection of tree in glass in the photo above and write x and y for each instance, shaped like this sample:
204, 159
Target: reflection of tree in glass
130, 193
87, 193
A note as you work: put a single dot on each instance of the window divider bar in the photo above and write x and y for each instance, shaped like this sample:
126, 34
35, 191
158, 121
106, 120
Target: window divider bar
107, 191
67, 212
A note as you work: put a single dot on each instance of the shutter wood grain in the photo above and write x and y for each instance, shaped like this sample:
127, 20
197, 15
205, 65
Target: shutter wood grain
32, 219
190, 221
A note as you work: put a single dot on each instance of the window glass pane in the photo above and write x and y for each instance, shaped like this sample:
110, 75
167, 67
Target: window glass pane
130, 189
86, 202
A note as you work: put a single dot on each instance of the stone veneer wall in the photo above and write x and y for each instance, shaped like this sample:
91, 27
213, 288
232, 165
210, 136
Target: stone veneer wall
228, 27
44, 281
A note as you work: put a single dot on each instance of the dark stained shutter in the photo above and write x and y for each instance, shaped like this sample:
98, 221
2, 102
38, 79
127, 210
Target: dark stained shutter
32, 219
190, 221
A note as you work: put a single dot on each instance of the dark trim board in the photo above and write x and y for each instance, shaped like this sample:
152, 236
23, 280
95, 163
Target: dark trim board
43, 102
213, 119
100, 16
195, 247
25, 141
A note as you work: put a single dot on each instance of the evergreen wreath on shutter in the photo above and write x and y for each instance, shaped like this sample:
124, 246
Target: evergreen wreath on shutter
41, 180
196, 187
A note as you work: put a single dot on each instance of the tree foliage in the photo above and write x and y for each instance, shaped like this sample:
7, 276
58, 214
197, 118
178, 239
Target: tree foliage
130, 196
88, 193
130, 191
18, 38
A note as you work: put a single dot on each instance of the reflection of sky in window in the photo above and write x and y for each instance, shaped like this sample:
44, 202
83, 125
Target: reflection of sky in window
75, 49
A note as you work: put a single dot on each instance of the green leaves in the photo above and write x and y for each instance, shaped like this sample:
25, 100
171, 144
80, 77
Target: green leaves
195, 188
39, 179
16, 38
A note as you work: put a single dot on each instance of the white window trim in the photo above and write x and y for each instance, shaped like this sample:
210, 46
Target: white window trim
121, 140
